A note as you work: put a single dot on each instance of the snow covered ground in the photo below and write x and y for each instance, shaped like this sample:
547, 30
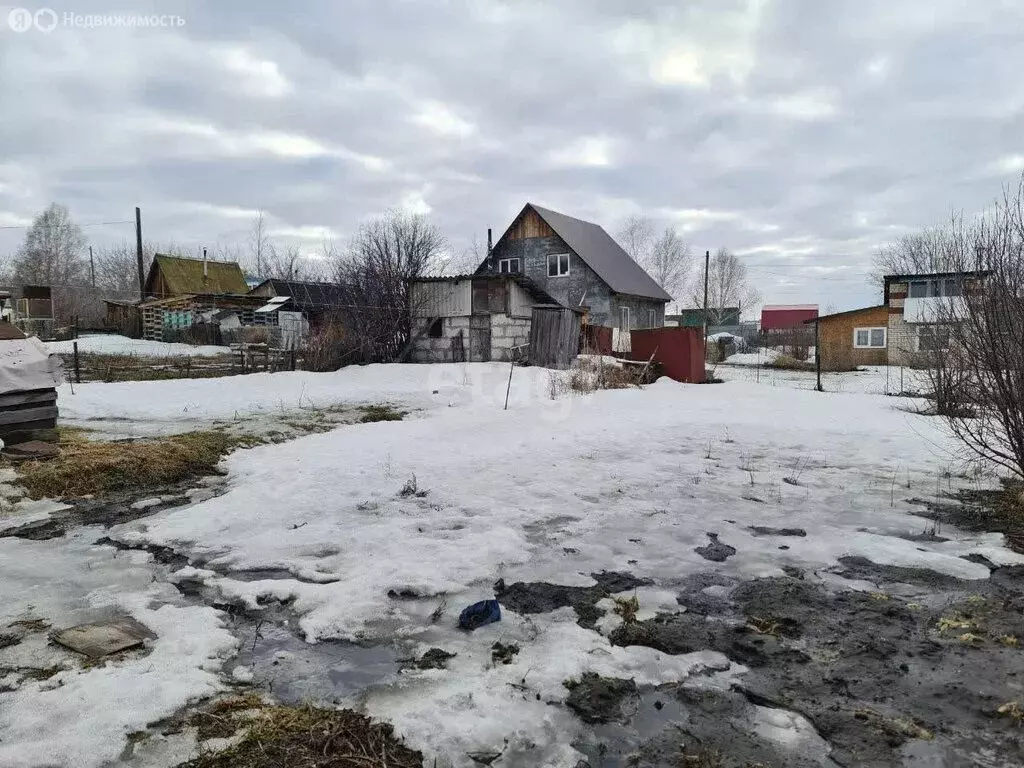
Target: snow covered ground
875, 380
178, 405
82, 715
552, 489
112, 344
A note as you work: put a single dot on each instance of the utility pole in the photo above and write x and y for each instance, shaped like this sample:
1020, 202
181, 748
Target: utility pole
92, 269
817, 353
707, 266
138, 252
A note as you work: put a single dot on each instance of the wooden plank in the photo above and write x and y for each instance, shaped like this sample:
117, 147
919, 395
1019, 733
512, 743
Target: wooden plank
34, 396
28, 414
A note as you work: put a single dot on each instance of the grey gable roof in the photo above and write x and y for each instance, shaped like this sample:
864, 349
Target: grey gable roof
603, 255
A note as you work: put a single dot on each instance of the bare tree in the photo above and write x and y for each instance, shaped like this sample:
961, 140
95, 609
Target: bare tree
260, 245
116, 266
52, 251
728, 286
665, 257
921, 252
973, 347
374, 275
636, 238
669, 262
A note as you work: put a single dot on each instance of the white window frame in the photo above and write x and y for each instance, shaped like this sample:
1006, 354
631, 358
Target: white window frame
869, 330
505, 266
624, 319
558, 264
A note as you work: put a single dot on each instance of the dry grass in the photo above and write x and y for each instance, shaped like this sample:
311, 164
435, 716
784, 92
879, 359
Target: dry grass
789, 363
87, 467
591, 374
380, 412
627, 608
304, 737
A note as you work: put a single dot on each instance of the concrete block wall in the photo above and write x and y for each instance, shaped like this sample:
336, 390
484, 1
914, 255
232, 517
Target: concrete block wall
902, 336
506, 334
438, 350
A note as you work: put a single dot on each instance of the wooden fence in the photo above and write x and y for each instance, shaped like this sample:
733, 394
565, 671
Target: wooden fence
554, 337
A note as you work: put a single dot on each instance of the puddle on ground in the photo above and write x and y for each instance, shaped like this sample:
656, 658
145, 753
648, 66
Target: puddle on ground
297, 672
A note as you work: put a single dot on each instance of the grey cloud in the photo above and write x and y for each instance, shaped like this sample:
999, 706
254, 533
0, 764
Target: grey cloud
800, 133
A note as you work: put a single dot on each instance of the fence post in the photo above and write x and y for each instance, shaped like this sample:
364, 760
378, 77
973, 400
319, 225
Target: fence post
78, 373
293, 358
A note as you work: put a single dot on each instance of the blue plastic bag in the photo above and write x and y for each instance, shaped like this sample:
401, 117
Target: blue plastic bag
479, 614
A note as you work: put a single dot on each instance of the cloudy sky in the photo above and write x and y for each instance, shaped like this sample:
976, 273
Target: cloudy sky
798, 133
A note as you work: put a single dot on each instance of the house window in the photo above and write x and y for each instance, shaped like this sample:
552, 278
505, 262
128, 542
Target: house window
558, 264
436, 329
923, 289
624, 318
509, 266
919, 289
869, 338
932, 338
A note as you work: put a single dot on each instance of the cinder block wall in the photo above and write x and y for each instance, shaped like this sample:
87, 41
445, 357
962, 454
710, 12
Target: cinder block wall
506, 334
429, 350
902, 335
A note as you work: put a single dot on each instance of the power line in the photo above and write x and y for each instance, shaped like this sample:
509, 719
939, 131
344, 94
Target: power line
92, 224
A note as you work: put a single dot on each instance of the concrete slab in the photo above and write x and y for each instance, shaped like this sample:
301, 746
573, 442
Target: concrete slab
102, 638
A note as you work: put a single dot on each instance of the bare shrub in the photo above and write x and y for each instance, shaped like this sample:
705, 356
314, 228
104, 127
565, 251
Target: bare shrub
974, 354
325, 349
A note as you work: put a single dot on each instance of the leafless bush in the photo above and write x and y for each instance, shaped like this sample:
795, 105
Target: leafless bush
374, 276
590, 374
977, 374
325, 349
256, 334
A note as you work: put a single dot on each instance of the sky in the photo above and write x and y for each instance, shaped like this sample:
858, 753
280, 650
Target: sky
800, 134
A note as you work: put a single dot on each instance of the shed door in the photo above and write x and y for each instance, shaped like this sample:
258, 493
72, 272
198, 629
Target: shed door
480, 338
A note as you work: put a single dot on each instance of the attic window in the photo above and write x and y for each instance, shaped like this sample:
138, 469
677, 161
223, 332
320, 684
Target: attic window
436, 330
509, 266
558, 264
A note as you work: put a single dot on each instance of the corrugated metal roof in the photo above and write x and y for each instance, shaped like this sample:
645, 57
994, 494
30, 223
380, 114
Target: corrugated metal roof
603, 255
309, 296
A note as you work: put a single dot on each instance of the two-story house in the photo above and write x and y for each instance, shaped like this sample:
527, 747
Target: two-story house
544, 261
581, 266
912, 318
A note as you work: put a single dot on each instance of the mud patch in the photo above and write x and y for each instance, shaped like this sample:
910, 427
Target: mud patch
885, 681
435, 658
114, 508
714, 550
999, 510
597, 699
860, 568
764, 530
542, 597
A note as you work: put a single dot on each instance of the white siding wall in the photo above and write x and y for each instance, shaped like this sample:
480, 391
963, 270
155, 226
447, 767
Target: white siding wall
443, 298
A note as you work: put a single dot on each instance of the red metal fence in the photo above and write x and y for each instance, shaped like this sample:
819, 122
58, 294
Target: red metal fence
679, 350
